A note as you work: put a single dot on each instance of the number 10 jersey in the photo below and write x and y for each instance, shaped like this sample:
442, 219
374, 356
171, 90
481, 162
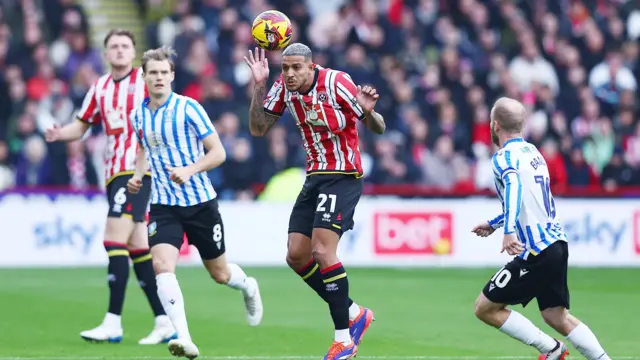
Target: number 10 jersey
523, 186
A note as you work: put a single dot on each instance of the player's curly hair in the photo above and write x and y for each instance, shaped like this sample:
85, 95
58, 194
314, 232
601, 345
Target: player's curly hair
159, 54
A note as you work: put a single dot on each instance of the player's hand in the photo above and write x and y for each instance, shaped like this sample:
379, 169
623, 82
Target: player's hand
483, 229
53, 133
134, 184
367, 97
180, 175
512, 245
259, 65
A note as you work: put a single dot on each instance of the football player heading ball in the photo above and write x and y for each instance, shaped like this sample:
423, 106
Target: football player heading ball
327, 107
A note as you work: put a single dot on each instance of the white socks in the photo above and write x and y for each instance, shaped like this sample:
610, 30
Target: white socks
112, 321
343, 336
585, 341
520, 328
173, 303
237, 278
354, 311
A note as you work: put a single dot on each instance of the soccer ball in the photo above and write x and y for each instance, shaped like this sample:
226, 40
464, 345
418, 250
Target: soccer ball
272, 30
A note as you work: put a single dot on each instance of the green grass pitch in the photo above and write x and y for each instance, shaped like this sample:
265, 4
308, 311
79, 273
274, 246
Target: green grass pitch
420, 313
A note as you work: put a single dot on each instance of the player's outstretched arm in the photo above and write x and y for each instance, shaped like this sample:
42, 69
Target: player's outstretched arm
259, 121
69, 132
87, 115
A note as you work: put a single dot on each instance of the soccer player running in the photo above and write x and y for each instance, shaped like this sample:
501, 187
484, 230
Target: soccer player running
326, 106
173, 131
533, 232
110, 100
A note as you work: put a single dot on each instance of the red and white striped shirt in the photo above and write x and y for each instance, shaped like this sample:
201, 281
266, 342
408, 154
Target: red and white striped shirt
111, 101
327, 119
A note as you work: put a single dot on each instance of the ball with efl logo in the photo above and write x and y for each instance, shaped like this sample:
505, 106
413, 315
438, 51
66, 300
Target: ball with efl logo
272, 30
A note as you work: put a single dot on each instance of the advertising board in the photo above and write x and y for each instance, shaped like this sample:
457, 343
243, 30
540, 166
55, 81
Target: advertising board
67, 230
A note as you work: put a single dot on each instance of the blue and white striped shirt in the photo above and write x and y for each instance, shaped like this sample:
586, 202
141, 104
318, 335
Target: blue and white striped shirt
523, 186
172, 137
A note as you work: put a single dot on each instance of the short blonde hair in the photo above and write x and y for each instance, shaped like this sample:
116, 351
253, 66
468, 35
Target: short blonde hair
159, 54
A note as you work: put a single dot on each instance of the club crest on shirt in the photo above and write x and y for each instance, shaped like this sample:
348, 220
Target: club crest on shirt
322, 96
315, 118
155, 141
168, 115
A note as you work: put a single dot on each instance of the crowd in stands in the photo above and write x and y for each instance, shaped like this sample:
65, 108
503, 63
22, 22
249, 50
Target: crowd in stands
437, 64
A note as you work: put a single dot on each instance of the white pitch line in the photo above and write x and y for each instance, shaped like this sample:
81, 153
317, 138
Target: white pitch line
302, 357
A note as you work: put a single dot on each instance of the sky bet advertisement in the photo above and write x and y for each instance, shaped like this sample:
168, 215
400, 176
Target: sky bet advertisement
67, 230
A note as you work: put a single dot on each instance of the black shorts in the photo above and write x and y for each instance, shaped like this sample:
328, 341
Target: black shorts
201, 223
326, 201
122, 203
543, 277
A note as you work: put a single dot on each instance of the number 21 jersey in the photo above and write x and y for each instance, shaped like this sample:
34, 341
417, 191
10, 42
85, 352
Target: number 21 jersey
111, 101
523, 185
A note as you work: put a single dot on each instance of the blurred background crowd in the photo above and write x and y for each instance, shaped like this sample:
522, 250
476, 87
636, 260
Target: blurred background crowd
437, 64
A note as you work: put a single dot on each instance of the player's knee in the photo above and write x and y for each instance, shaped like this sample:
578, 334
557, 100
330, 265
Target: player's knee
161, 266
482, 308
321, 254
478, 309
118, 229
324, 248
293, 261
221, 276
297, 258
557, 318
116, 237
298, 250
139, 238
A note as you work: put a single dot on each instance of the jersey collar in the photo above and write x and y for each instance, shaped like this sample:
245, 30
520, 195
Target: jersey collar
514, 140
124, 77
148, 99
316, 72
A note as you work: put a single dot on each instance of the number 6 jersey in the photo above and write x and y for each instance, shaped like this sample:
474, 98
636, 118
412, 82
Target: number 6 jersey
523, 186
111, 101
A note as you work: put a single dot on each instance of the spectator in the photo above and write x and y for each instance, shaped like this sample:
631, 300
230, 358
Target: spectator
438, 66
33, 167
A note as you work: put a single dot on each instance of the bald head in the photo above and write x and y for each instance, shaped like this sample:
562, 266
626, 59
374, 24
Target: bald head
509, 115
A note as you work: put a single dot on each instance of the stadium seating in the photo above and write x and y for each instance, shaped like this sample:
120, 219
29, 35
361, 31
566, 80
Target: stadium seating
438, 66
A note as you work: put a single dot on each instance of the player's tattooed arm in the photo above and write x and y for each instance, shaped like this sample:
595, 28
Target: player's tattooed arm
260, 122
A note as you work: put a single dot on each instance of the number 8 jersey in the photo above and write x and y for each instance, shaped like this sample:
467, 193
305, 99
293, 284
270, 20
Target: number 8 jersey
111, 101
522, 181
